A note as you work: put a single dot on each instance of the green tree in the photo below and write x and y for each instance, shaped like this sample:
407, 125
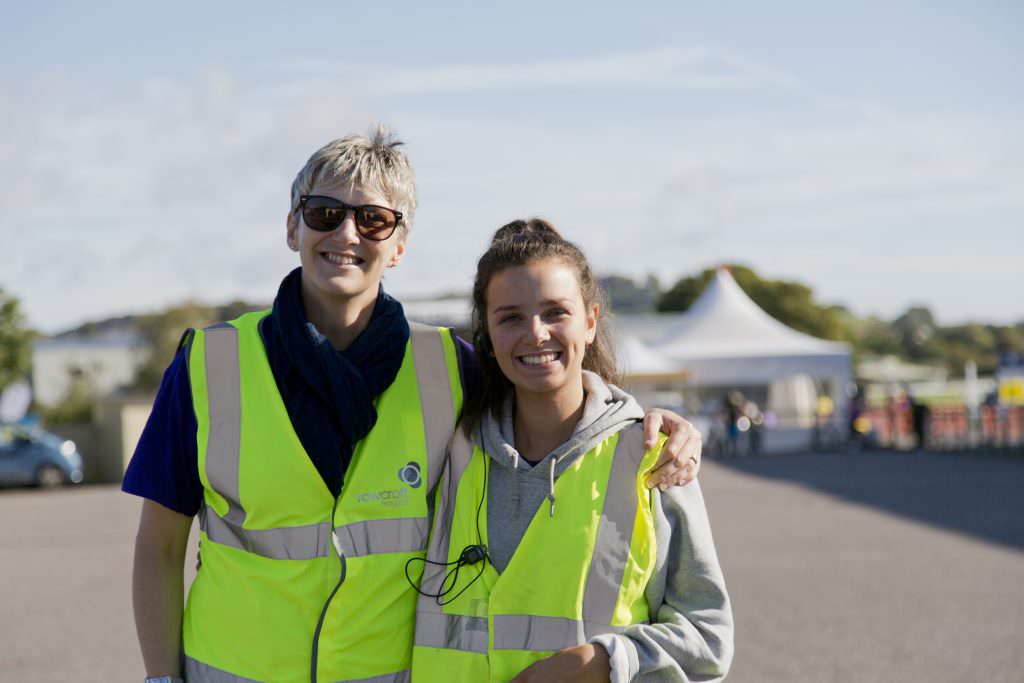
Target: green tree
956, 345
875, 337
15, 341
626, 296
1010, 337
791, 303
681, 295
916, 330
922, 340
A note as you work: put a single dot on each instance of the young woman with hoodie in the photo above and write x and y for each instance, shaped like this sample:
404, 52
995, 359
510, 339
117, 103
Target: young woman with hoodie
549, 559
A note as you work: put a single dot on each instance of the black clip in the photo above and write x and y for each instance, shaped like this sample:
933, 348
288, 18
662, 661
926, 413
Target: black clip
472, 554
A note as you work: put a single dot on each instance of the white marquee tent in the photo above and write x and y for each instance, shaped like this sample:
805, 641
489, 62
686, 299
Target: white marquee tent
726, 340
636, 359
650, 377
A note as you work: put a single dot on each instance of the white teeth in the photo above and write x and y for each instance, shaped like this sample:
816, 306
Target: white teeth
342, 259
538, 359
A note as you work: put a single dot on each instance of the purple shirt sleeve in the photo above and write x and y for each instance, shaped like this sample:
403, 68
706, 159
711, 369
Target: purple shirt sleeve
469, 368
165, 465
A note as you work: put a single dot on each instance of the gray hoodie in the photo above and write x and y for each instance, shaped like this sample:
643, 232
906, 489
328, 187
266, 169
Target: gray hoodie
690, 637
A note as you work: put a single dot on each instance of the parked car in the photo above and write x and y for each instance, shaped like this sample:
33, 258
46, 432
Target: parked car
31, 456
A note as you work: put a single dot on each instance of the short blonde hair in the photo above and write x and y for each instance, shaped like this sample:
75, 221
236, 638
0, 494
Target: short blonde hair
372, 161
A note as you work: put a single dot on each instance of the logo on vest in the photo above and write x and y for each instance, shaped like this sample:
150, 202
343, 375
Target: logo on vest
410, 474
386, 497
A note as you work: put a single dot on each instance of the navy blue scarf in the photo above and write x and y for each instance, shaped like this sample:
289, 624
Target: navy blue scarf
328, 393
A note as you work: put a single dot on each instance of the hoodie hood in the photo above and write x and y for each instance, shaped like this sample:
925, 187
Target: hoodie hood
607, 410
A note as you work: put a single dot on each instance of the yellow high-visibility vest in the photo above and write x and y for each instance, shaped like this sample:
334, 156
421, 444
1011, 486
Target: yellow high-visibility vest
579, 571
296, 585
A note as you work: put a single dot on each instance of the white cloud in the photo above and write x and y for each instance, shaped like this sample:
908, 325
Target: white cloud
666, 68
902, 165
120, 198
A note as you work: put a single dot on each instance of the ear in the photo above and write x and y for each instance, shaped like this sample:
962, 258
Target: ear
592, 315
292, 226
396, 258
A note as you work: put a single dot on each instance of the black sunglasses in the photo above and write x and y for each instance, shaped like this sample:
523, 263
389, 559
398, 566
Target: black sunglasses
325, 214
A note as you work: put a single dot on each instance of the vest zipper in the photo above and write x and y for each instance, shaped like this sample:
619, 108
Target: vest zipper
323, 612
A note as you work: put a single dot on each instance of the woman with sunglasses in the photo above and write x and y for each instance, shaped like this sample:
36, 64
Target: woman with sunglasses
549, 559
307, 440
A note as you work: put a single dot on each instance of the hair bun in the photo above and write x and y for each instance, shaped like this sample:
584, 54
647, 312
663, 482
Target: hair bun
520, 229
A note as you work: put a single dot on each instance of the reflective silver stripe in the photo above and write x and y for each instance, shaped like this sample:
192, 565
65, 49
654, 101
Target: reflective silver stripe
200, 672
282, 543
398, 677
615, 532
452, 632
382, 536
223, 390
223, 457
436, 393
543, 634
433, 575
434, 628
531, 632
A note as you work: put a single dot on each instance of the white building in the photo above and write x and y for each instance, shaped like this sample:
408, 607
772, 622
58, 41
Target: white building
105, 363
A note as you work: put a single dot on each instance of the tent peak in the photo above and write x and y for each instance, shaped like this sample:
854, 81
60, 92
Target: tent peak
724, 321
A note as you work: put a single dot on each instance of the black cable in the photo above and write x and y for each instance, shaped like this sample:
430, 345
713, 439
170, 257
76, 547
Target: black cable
483, 494
470, 555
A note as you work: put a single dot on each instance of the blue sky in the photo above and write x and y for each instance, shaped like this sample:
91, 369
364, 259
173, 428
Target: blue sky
873, 152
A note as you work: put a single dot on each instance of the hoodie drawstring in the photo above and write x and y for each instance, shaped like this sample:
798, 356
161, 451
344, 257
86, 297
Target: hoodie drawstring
551, 485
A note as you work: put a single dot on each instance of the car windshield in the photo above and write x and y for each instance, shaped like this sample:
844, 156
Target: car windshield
10, 434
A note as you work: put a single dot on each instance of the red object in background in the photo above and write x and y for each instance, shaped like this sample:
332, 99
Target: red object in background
948, 427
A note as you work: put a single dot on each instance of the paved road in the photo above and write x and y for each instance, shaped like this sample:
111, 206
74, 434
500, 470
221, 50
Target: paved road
841, 568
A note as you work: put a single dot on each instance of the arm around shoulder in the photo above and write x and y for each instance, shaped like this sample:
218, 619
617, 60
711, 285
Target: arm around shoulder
690, 637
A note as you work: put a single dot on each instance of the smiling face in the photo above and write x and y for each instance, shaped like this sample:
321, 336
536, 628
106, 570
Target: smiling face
340, 268
539, 328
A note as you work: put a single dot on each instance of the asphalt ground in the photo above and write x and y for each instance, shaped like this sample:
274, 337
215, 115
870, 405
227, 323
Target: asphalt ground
859, 567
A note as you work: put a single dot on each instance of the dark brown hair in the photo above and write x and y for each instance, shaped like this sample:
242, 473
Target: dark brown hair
517, 244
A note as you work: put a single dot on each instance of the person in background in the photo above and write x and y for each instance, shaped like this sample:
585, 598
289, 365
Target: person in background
307, 439
858, 422
919, 414
732, 408
754, 424
549, 559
